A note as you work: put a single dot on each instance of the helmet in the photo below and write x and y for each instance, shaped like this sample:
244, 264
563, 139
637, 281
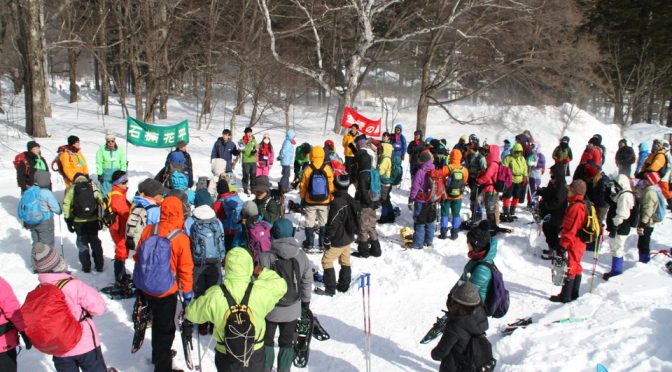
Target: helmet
473, 138
329, 144
406, 235
342, 181
564, 139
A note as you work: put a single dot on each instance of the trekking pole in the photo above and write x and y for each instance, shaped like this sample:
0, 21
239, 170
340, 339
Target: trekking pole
198, 349
368, 305
596, 255
365, 281
60, 232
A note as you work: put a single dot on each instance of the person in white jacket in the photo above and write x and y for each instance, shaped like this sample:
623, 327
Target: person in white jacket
621, 201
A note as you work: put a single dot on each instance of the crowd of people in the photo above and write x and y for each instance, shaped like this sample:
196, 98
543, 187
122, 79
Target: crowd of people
184, 232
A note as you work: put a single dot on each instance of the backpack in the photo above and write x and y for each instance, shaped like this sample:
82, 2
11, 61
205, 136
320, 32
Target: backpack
84, 201
437, 187
318, 189
107, 216
337, 167
49, 323
352, 227
374, 184
290, 271
21, 158
239, 331
259, 239
152, 272
279, 198
30, 208
504, 178
207, 241
455, 182
477, 356
497, 300
178, 181
590, 231
397, 171
659, 214
635, 211
137, 220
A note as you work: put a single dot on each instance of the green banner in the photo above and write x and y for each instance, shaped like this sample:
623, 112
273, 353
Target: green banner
158, 136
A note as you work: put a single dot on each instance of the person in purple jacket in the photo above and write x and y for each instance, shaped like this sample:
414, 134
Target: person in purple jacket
424, 213
536, 163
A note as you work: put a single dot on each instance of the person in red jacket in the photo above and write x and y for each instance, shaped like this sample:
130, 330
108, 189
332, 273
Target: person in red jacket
163, 306
591, 160
570, 243
11, 324
121, 209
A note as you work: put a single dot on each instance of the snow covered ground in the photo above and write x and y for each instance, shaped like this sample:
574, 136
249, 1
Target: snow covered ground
623, 324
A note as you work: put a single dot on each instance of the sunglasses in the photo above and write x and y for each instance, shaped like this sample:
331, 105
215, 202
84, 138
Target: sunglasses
110, 141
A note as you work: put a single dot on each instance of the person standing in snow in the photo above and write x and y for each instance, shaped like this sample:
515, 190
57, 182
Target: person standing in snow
301, 161
413, 150
29, 162
621, 199
505, 149
317, 187
80, 210
644, 151
457, 177
482, 248
665, 176
225, 149
350, 148
591, 160
228, 208
625, 158
385, 171
40, 192
516, 193
179, 158
485, 182
424, 212
268, 207
367, 237
536, 164
286, 159
398, 141
552, 208
121, 209
248, 146
649, 202
71, 161
570, 245
562, 154
655, 162
11, 325
109, 158
475, 163
265, 156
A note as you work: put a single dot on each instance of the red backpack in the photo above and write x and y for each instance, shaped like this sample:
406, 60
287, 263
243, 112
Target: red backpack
56, 165
337, 167
21, 158
50, 325
437, 187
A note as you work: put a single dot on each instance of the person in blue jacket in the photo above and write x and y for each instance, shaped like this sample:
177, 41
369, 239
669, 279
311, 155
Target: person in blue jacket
482, 248
644, 151
225, 149
286, 159
44, 231
398, 141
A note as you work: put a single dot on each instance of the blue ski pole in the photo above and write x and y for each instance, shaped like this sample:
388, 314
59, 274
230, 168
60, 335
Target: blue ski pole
365, 281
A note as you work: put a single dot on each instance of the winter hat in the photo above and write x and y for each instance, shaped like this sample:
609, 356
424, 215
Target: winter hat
435, 143
506, 141
151, 187
204, 212
119, 177
653, 177
262, 184
42, 179
77, 175
46, 260
425, 156
72, 140
202, 197
180, 144
595, 141
109, 136
361, 141
176, 157
418, 133
282, 228
466, 294
342, 182
250, 209
222, 186
578, 187
479, 236
247, 130
32, 144
329, 144
464, 138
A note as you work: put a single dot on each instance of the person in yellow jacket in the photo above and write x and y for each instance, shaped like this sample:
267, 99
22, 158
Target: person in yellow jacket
72, 161
350, 149
456, 177
516, 161
317, 188
266, 290
385, 171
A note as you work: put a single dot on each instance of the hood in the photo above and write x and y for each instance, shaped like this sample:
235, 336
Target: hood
285, 247
644, 147
400, 126
204, 212
141, 201
317, 156
172, 213
42, 179
81, 178
290, 134
387, 149
474, 324
558, 172
217, 166
428, 166
517, 148
238, 265
623, 181
456, 157
493, 154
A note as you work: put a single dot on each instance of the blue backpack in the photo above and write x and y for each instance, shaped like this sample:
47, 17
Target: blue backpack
318, 189
497, 301
659, 214
152, 272
374, 184
179, 181
207, 241
30, 208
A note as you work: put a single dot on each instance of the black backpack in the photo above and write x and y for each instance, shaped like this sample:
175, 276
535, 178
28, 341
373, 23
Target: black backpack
290, 271
84, 203
477, 356
239, 331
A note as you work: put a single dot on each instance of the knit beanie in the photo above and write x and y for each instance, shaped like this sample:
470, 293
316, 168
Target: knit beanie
42, 179
361, 141
32, 144
329, 144
176, 157
250, 209
119, 177
72, 140
202, 197
465, 293
109, 136
181, 144
222, 186
578, 187
46, 260
342, 182
282, 228
479, 236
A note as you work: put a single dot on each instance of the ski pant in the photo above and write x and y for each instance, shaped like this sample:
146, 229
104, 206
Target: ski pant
474, 206
205, 276
644, 244
492, 208
43, 233
387, 209
424, 216
367, 225
285, 341
91, 361
334, 253
227, 363
514, 194
534, 185
87, 235
163, 330
120, 249
316, 215
552, 234
349, 165
249, 173
450, 210
617, 245
284, 180
262, 170
8, 361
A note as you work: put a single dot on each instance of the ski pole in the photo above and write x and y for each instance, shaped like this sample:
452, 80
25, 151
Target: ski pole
368, 305
60, 232
596, 255
198, 350
364, 280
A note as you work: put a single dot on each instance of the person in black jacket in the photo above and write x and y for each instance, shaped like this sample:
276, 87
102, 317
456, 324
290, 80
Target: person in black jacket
27, 164
552, 208
466, 319
342, 224
367, 238
625, 158
414, 149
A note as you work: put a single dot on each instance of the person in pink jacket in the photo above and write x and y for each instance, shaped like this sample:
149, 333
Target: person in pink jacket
11, 323
486, 183
81, 300
265, 156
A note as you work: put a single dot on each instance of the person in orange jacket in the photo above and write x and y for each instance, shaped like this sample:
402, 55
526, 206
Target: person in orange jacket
121, 208
164, 305
316, 196
72, 161
456, 177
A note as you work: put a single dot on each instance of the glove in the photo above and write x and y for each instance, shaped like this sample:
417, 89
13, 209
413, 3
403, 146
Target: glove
186, 298
26, 341
71, 225
305, 305
403, 157
566, 160
327, 244
543, 170
100, 178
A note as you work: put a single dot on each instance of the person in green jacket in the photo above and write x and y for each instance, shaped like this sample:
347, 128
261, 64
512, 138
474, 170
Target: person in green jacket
248, 146
482, 248
267, 289
301, 161
109, 159
511, 196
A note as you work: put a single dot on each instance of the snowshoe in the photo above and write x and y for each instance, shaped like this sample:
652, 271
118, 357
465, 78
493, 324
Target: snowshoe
436, 330
558, 268
319, 333
294, 207
186, 330
520, 323
120, 290
304, 332
141, 318
324, 292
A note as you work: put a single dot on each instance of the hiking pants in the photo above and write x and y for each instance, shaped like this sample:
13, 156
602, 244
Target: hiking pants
163, 330
120, 249
450, 210
285, 341
249, 173
474, 206
316, 215
8, 361
552, 234
367, 225
43, 233
424, 218
227, 363
385, 202
87, 235
617, 245
284, 181
534, 185
205, 276
91, 361
644, 244
334, 253
349, 165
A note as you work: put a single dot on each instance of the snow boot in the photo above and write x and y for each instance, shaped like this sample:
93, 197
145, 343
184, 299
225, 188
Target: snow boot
310, 238
644, 257
512, 213
565, 294
669, 204
329, 283
616, 268
454, 233
285, 359
320, 237
119, 271
444, 232
269, 356
545, 254
344, 278
363, 249
505, 215
375, 248
575, 288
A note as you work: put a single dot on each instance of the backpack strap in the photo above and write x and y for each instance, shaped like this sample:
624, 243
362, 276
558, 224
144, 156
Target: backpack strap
61, 283
155, 229
246, 297
229, 297
171, 235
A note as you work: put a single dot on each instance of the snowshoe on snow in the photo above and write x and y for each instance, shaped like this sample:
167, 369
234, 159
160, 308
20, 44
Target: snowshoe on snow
436, 330
319, 333
141, 318
120, 290
324, 292
186, 331
304, 332
294, 207
558, 267
520, 323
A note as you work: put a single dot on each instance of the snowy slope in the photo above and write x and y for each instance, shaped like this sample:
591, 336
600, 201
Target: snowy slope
624, 323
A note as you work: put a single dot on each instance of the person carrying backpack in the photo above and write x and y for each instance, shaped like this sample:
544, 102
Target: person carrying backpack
571, 246
178, 159
109, 158
466, 322
290, 262
385, 171
255, 233
228, 208
37, 208
476, 163
27, 163
424, 212
69, 309
625, 157
413, 150
11, 326
367, 237
239, 352
317, 186
81, 206
655, 162
562, 154
350, 147
286, 159
301, 161
265, 156
267, 206
650, 201
71, 161
591, 160
485, 181
482, 249
553, 204
536, 165
516, 193
644, 151
621, 200
121, 209
172, 269
144, 210
457, 176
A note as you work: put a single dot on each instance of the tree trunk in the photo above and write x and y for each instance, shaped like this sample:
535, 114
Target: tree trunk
137, 90
285, 108
96, 74
342, 102
423, 110
240, 91
669, 113
46, 102
649, 107
163, 105
618, 106
2, 111
72, 61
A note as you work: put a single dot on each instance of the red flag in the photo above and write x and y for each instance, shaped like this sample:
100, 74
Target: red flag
367, 126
